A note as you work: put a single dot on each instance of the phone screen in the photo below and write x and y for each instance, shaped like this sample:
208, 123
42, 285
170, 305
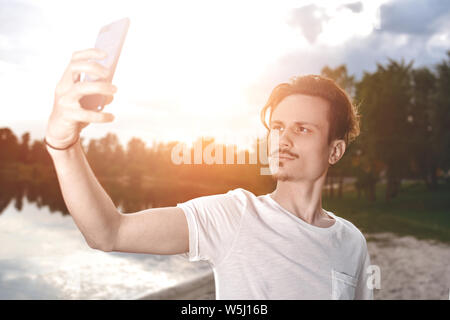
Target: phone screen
110, 39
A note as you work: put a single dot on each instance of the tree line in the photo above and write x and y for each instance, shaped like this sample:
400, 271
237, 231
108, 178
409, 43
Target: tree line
404, 135
405, 123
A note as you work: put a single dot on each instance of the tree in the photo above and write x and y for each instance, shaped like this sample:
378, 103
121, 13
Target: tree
420, 124
135, 155
342, 78
24, 148
386, 102
9, 146
440, 121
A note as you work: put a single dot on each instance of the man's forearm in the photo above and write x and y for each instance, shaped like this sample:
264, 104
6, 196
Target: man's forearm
90, 206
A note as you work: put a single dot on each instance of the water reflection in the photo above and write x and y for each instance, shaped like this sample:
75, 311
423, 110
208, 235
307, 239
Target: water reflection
129, 197
44, 256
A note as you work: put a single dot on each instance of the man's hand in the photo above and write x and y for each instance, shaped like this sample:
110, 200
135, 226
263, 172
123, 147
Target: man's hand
68, 118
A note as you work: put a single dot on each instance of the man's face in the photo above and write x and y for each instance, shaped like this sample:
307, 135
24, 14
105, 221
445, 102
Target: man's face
302, 125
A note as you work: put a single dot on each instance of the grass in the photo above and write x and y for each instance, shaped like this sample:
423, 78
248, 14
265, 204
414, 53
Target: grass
415, 211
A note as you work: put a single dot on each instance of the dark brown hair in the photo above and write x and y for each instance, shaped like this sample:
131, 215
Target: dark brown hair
343, 115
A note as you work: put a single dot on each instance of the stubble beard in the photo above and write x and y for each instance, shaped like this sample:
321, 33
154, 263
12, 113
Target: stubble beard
282, 176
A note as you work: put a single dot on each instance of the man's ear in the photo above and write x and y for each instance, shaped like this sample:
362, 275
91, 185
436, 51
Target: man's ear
337, 151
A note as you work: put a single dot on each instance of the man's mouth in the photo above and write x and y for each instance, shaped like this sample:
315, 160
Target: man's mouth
281, 157
284, 156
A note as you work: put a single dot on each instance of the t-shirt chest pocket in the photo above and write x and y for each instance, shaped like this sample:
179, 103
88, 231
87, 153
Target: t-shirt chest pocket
342, 286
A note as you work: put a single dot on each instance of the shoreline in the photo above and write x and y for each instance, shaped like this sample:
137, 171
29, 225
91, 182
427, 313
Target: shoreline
200, 288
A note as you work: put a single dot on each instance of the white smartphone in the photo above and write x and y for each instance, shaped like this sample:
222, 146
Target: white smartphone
110, 39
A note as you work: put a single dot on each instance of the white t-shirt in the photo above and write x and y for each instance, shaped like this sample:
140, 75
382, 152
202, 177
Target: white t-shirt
259, 250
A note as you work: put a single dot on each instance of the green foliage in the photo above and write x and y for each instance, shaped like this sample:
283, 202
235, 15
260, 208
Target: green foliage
416, 211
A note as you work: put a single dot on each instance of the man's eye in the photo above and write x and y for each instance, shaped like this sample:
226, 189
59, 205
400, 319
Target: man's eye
276, 127
302, 130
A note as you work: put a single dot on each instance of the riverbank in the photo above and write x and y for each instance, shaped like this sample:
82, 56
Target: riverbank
201, 288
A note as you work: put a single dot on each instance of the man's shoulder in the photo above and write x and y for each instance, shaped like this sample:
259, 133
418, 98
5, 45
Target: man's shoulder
236, 196
241, 196
242, 192
351, 230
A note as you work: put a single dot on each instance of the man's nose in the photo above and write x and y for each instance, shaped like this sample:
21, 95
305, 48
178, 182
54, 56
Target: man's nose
279, 140
285, 138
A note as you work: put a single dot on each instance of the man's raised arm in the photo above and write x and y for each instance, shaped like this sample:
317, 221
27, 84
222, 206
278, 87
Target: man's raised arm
155, 231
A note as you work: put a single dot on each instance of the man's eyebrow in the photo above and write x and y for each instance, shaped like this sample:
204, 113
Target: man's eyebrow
297, 123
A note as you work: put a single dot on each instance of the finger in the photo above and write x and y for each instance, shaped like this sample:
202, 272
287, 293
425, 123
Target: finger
81, 89
108, 99
86, 116
89, 54
94, 69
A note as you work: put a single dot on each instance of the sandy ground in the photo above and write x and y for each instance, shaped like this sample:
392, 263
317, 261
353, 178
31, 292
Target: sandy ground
410, 269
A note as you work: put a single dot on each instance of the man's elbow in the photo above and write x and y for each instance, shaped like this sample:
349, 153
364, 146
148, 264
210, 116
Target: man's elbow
105, 246
103, 241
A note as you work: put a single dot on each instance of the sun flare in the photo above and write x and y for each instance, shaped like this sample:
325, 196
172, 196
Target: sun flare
186, 69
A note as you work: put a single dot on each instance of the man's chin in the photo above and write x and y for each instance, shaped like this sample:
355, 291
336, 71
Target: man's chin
281, 176
280, 172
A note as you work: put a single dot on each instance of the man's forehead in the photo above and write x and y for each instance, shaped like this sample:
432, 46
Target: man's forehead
301, 109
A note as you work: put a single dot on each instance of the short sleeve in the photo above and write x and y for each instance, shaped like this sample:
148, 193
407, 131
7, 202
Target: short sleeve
213, 223
363, 291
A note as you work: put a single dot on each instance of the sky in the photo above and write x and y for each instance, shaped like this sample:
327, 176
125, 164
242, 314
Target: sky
203, 68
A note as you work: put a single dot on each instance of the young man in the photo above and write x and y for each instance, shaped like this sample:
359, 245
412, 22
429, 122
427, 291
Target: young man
281, 245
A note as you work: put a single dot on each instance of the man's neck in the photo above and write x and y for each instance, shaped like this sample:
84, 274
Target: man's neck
304, 200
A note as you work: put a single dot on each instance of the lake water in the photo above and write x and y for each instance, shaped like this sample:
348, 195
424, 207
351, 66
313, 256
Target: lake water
43, 255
